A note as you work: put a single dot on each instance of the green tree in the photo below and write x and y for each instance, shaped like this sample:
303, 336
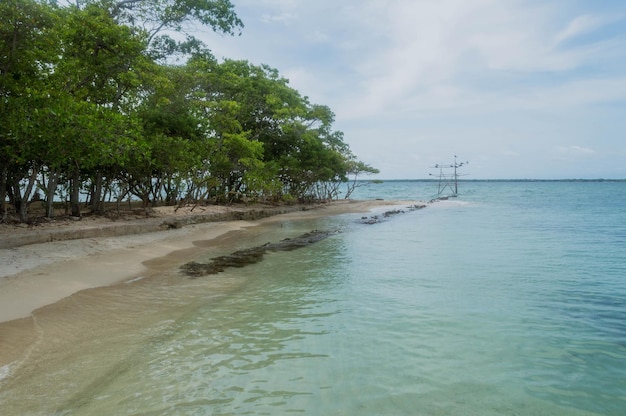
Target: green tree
85, 106
27, 50
355, 168
159, 18
299, 148
103, 64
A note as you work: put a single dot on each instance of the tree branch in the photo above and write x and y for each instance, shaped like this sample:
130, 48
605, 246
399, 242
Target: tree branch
125, 4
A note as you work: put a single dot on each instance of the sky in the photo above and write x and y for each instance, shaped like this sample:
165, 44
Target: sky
520, 89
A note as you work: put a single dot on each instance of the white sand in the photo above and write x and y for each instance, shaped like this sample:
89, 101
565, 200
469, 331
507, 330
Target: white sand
41, 274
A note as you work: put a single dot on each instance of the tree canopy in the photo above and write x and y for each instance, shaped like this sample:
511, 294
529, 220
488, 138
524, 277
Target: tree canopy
93, 110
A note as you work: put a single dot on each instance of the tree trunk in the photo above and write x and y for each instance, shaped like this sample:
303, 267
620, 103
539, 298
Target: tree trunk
23, 208
4, 173
96, 197
75, 193
155, 189
53, 181
16, 191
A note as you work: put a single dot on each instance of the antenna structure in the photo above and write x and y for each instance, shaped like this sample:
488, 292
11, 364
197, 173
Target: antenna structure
448, 177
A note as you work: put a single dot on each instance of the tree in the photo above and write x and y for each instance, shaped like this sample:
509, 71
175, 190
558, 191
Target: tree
179, 16
86, 106
172, 133
298, 144
103, 64
27, 47
356, 167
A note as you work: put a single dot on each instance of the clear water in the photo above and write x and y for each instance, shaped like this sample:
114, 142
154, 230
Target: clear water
508, 300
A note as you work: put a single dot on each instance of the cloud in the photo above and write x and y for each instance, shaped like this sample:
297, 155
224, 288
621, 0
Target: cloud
575, 150
453, 54
278, 18
581, 25
447, 76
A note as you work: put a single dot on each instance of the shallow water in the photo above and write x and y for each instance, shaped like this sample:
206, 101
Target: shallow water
509, 300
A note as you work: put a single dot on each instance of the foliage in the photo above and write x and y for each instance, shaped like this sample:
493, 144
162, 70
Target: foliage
91, 109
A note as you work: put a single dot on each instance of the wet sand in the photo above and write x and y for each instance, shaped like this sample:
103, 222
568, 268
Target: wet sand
37, 275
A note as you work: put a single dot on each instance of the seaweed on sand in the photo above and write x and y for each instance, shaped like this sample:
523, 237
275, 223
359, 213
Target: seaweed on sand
252, 255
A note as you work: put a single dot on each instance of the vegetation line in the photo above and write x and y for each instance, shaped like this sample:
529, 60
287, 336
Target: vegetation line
37, 235
99, 103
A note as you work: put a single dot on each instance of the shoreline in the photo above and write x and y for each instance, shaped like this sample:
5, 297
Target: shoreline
37, 275
160, 219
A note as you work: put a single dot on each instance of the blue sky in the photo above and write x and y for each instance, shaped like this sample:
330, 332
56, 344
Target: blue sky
519, 88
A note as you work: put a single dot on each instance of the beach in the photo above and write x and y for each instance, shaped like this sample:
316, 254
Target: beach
36, 275
48, 289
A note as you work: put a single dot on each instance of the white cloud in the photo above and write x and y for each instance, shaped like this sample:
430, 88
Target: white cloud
426, 52
278, 18
524, 75
574, 94
579, 26
575, 150
419, 49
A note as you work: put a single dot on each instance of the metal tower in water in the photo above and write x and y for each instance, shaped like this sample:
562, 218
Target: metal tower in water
448, 177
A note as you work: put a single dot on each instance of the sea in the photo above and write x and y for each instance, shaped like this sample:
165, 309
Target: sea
508, 299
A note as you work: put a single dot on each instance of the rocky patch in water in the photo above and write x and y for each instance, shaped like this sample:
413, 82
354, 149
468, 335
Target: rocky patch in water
252, 255
378, 218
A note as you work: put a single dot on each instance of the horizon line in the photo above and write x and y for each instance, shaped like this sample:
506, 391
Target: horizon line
504, 179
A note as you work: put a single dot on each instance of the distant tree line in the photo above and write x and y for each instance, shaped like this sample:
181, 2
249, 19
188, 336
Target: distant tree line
90, 104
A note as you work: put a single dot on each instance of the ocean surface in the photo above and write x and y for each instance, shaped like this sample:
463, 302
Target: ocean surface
507, 300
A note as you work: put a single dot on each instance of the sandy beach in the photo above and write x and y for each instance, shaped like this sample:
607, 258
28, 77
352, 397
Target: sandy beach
35, 275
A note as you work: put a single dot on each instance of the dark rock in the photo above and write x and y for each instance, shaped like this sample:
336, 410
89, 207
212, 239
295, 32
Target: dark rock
375, 219
394, 212
172, 224
242, 258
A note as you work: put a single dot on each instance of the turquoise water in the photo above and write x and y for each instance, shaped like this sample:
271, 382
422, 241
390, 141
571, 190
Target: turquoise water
508, 300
